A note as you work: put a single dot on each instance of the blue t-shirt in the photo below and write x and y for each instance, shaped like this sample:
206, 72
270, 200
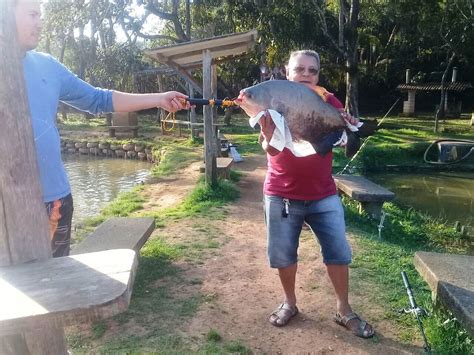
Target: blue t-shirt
47, 83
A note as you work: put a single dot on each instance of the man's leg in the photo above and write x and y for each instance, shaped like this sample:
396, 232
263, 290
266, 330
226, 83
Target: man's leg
283, 222
326, 219
288, 279
339, 275
60, 221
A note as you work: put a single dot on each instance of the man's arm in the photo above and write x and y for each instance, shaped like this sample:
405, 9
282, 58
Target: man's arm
171, 101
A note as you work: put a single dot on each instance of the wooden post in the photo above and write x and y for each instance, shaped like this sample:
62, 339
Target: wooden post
214, 110
192, 113
24, 227
209, 153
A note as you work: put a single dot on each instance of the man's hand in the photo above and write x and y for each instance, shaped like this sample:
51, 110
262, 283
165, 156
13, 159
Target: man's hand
173, 101
266, 133
349, 118
267, 126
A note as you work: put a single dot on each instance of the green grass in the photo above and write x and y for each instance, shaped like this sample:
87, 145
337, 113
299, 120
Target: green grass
204, 200
175, 155
402, 141
76, 121
378, 264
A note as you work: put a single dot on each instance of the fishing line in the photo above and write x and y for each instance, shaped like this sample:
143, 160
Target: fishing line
366, 140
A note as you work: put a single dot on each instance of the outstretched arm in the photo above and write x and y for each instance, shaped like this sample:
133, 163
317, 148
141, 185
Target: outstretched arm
171, 101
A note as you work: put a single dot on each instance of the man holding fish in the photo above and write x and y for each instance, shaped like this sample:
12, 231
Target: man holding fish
299, 187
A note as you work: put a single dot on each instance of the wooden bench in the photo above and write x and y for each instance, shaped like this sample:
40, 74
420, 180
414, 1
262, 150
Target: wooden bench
114, 129
117, 233
451, 279
223, 165
65, 291
369, 195
223, 145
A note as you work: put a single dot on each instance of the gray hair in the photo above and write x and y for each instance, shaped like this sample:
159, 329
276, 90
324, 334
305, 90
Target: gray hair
307, 52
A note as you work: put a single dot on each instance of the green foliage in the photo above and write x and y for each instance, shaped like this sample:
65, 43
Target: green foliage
446, 334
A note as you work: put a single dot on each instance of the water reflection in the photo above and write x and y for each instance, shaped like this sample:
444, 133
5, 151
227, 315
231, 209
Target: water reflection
445, 195
97, 181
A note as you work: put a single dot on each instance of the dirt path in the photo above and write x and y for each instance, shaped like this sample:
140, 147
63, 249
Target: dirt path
246, 290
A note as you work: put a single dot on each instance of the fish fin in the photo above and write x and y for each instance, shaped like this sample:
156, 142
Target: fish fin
353, 144
368, 128
325, 145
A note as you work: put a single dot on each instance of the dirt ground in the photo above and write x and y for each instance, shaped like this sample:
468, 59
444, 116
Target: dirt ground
245, 290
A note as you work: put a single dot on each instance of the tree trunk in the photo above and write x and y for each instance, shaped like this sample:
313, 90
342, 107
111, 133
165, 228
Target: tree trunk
24, 227
352, 85
440, 112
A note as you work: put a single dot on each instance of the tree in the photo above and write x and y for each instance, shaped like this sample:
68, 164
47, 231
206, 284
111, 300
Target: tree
457, 33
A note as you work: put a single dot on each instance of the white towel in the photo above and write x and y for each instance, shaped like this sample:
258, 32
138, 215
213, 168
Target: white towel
282, 137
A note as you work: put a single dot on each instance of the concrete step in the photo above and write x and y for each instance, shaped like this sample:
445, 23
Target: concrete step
451, 279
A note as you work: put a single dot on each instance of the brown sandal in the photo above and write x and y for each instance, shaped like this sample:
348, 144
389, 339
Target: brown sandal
361, 331
282, 315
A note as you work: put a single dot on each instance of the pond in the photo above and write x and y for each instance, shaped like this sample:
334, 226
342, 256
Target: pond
445, 195
97, 181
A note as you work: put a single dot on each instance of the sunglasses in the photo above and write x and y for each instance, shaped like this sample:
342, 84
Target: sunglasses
301, 70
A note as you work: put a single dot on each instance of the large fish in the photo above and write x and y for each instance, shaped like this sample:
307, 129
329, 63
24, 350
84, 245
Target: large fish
308, 116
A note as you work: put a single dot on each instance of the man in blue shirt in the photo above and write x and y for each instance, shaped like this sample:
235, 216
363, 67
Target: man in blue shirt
48, 82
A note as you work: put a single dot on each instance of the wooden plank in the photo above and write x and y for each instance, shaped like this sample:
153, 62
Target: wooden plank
361, 189
223, 162
203, 44
117, 233
223, 165
65, 291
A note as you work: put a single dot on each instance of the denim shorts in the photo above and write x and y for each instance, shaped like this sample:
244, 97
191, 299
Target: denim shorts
284, 220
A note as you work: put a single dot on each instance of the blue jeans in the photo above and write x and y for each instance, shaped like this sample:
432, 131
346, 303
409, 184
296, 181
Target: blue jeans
284, 220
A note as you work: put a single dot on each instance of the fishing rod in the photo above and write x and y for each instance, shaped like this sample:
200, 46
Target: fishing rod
366, 140
212, 102
417, 311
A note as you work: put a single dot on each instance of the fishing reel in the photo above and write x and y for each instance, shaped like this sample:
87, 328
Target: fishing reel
418, 311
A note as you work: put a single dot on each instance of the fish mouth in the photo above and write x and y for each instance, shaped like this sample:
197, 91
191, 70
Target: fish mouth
239, 100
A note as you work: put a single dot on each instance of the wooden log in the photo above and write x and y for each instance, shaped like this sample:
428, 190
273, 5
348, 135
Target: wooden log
24, 235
